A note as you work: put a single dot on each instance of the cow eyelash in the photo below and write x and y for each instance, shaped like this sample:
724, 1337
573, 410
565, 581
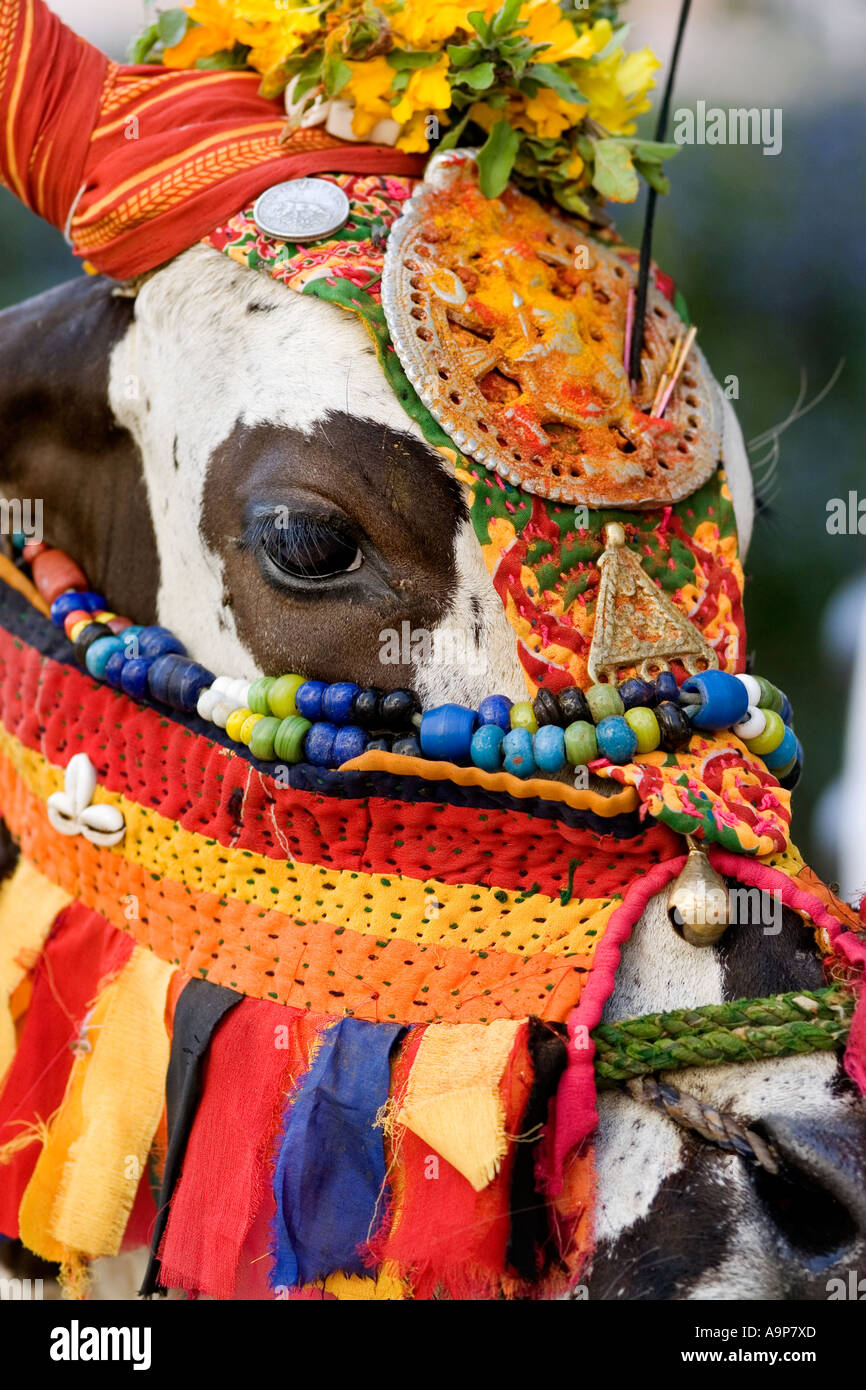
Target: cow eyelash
308, 549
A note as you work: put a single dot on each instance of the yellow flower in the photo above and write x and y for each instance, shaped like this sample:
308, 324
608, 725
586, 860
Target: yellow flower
214, 30
414, 137
546, 24
548, 115
425, 23
369, 88
428, 90
617, 88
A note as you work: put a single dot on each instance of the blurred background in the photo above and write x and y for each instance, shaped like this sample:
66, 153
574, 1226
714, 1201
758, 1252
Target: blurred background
769, 252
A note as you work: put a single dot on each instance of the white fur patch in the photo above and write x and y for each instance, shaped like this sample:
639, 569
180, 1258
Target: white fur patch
739, 474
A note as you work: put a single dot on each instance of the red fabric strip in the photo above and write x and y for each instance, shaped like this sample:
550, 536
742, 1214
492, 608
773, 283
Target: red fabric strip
573, 1113
257, 1054
81, 954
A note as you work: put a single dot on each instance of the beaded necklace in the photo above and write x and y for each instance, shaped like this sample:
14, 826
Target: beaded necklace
291, 719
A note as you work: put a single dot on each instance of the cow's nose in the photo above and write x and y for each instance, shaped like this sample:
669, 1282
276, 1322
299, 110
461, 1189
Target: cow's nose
816, 1204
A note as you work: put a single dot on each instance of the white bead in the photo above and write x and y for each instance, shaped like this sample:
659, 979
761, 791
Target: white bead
752, 724
242, 691
221, 712
753, 690
223, 683
206, 701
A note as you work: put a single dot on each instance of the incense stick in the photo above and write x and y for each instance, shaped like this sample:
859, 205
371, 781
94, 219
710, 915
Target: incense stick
687, 346
629, 325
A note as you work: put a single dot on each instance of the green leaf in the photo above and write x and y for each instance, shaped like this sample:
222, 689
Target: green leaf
480, 25
462, 54
571, 201
506, 17
496, 158
399, 83
553, 76
172, 25
450, 140
480, 77
400, 58
140, 49
336, 74
652, 151
226, 58
614, 173
653, 175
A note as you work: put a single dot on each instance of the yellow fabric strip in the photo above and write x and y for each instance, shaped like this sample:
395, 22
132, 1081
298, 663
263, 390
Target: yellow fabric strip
29, 903
428, 912
452, 1101
81, 1192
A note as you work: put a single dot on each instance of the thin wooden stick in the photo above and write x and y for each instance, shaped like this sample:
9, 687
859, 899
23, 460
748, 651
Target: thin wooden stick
687, 346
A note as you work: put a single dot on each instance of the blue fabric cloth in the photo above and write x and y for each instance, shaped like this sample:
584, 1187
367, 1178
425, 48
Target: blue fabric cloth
331, 1166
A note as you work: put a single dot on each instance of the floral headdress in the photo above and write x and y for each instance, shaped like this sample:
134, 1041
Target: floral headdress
546, 90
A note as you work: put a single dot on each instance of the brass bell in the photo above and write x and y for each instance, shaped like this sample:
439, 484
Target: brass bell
698, 900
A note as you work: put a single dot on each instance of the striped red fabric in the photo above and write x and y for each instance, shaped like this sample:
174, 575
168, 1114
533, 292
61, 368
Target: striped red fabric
137, 163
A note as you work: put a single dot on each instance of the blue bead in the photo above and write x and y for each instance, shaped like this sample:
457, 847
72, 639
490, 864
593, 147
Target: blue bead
129, 637
308, 700
495, 709
723, 700
517, 757
189, 682
407, 746
485, 749
666, 687
786, 711
338, 700
617, 740
319, 743
19, 540
446, 733
790, 779
548, 747
159, 675
350, 743
113, 668
636, 692
133, 678
71, 602
158, 641
98, 654
786, 750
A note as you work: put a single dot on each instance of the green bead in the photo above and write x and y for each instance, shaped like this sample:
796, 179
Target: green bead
262, 737
289, 739
771, 698
258, 699
281, 695
604, 701
581, 744
644, 724
522, 716
772, 736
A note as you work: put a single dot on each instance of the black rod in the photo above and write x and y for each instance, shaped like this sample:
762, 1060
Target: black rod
649, 220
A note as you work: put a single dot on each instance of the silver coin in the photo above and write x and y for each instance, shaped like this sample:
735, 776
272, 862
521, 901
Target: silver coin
301, 210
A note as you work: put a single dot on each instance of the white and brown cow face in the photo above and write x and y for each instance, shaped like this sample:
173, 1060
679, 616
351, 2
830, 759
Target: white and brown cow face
297, 512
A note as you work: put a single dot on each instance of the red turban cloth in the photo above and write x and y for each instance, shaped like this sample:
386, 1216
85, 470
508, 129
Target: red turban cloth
136, 163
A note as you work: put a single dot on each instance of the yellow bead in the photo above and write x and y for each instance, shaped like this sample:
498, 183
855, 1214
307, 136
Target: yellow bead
248, 725
79, 627
235, 723
281, 696
103, 617
522, 716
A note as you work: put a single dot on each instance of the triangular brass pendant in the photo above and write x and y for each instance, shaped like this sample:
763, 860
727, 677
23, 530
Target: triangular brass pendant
636, 625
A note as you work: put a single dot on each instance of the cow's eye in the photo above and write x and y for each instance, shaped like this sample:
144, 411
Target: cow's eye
305, 547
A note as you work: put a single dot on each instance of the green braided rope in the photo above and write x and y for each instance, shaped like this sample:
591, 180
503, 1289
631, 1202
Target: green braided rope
745, 1030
